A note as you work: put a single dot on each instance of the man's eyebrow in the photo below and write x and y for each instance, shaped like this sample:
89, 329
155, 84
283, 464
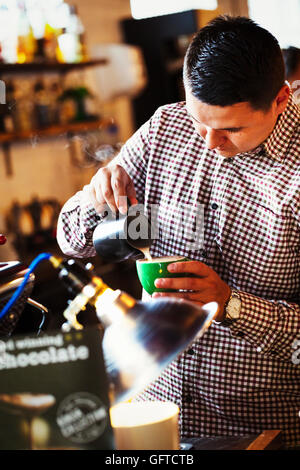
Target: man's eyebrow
232, 129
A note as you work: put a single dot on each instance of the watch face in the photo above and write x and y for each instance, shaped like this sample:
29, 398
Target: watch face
234, 308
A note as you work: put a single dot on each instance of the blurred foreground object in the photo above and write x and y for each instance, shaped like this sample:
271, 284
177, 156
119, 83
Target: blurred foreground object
140, 338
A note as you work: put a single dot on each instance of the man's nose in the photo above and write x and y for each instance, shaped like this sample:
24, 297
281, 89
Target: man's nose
213, 139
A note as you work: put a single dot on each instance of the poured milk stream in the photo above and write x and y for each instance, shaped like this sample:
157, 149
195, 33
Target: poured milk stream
146, 252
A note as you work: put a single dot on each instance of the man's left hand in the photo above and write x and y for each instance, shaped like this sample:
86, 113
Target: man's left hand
205, 285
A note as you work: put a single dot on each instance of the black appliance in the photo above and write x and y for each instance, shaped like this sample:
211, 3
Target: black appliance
162, 41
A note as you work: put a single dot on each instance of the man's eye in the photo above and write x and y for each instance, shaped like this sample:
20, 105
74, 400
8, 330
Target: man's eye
232, 131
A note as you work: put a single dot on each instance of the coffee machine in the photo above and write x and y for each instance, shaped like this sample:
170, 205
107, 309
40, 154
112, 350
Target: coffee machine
12, 275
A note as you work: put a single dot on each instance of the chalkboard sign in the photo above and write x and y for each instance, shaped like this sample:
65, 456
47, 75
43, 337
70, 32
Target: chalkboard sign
54, 392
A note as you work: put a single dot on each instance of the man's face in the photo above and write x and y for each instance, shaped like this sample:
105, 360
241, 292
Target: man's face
232, 129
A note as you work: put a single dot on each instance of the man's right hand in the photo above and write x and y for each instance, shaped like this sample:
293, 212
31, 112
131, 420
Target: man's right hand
111, 186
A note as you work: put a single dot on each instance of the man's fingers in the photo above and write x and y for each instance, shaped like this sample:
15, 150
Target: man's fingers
185, 283
131, 194
192, 297
123, 189
104, 189
118, 185
193, 267
181, 295
111, 186
91, 198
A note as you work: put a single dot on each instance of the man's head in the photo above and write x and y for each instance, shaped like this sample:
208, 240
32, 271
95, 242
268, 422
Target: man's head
234, 79
291, 57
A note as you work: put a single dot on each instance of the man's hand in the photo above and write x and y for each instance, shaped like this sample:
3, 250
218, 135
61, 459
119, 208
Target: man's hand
206, 286
110, 186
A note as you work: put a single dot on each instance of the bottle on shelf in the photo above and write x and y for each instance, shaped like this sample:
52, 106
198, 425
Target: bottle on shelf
26, 40
42, 104
71, 41
41, 31
24, 107
54, 91
10, 108
36, 19
9, 23
51, 42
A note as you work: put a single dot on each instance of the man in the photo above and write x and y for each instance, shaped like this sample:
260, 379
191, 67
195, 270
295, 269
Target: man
291, 57
233, 148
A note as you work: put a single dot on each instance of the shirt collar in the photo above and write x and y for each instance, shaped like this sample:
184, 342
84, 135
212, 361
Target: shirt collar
277, 144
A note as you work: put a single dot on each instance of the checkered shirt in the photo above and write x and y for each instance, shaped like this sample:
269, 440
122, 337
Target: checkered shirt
244, 378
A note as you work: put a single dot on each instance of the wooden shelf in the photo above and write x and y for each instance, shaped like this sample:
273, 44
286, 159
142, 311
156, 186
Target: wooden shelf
66, 130
46, 67
54, 131
8, 138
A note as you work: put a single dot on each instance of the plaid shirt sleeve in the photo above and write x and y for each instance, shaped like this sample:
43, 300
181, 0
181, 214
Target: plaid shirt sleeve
78, 218
272, 327
76, 223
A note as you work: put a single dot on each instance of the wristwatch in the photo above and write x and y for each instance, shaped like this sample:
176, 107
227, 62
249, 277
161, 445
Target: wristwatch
232, 308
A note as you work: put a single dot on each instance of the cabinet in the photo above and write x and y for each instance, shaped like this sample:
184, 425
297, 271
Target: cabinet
163, 41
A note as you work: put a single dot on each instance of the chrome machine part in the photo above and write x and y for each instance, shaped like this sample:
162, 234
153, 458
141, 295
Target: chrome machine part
144, 337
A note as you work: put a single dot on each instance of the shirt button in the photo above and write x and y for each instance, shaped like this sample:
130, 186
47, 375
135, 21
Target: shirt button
191, 352
240, 334
204, 253
214, 206
188, 398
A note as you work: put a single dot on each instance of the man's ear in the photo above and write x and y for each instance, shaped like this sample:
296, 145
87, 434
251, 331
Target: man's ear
282, 98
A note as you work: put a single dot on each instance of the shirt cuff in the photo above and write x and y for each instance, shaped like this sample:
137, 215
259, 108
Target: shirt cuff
269, 325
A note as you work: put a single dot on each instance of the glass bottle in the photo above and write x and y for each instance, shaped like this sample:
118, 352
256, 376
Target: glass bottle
41, 105
26, 41
71, 41
23, 107
10, 115
54, 92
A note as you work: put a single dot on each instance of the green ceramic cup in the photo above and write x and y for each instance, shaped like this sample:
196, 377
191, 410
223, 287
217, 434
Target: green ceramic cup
148, 271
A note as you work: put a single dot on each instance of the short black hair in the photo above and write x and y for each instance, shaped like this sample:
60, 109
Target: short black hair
291, 57
233, 60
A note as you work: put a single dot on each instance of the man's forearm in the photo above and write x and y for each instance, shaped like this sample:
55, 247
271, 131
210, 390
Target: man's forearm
76, 224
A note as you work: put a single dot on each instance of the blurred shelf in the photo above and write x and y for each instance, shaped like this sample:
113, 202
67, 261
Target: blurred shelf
34, 135
46, 67
54, 131
8, 138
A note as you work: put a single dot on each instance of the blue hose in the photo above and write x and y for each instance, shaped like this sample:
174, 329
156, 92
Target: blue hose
21, 287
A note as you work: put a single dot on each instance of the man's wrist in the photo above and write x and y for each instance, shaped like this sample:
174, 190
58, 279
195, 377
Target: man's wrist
222, 307
225, 305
